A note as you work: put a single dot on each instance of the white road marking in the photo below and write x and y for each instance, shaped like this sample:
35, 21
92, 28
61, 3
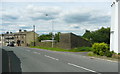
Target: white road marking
82, 67
28, 50
9, 63
51, 57
36, 52
104, 59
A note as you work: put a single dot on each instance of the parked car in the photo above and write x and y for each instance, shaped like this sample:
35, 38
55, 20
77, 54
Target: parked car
11, 44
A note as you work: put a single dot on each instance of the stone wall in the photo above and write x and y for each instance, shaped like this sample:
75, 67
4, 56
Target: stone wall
67, 41
77, 41
70, 41
47, 44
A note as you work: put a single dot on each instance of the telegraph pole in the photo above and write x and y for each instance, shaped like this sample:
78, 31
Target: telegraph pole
34, 34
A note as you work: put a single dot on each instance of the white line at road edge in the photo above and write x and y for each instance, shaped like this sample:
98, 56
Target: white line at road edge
104, 59
51, 57
83, 68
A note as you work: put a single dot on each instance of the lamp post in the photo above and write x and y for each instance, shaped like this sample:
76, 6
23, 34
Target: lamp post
52, 32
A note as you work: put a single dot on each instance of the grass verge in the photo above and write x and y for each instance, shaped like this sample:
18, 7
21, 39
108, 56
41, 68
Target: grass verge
80, 49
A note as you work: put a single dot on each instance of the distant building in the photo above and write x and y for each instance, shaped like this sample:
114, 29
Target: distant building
24, 37
70, 41
115, 24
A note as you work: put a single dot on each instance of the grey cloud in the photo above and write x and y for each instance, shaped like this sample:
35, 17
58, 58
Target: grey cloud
43, 17
101, 19
76, 18
25, 27
86, 18
39, 13
10, 17
5, 24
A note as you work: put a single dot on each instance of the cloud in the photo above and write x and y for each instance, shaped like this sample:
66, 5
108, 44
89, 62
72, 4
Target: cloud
87, 17
57, 0
39, 13
66, 18
74, 26
9, 17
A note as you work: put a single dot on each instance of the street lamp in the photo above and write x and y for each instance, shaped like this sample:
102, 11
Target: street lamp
52, 31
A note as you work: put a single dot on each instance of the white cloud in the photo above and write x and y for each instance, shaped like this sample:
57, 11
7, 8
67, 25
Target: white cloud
66, 19
56, 0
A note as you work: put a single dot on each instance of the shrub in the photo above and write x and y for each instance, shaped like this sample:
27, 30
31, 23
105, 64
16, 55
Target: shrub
118, 53
108, 54
90, 54
101, 49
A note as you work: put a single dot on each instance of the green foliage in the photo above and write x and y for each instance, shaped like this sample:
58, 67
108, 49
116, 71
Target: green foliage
57, 36
87, 35
49, 37
108, 54
45, 37
98, 36
101, 49
82, 49
90, 54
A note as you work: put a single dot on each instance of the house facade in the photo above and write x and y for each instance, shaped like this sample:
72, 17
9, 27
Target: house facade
114, 27
24, 37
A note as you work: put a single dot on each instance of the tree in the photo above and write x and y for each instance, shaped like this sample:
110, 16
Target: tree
57, 36
87, 34
49, 36
101, 35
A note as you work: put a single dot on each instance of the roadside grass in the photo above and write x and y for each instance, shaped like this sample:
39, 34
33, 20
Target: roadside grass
115, 57
80, 49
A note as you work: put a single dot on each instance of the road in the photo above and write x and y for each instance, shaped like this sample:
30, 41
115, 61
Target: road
39, 60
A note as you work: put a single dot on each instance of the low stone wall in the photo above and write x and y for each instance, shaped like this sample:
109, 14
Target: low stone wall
47, 44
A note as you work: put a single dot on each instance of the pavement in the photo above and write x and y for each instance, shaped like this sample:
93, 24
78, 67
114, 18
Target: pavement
40, 60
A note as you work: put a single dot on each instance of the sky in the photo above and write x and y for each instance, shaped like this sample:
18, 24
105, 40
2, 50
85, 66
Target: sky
63, 16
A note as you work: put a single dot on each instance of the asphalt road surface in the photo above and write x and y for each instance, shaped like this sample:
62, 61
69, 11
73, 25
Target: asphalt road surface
39, 60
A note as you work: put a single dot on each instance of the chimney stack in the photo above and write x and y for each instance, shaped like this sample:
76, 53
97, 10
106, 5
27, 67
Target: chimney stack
20, 30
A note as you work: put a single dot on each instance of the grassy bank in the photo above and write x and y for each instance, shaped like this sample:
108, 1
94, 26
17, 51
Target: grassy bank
80, 49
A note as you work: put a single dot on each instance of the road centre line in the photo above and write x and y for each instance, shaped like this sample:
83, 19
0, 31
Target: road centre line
36, 52
83, 68
27, 50
51, 57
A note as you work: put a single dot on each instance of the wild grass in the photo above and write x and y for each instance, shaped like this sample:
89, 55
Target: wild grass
80, 49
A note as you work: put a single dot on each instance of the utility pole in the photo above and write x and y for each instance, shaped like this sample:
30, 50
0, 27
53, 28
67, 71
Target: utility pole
52, 34
2, 39
34, 34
